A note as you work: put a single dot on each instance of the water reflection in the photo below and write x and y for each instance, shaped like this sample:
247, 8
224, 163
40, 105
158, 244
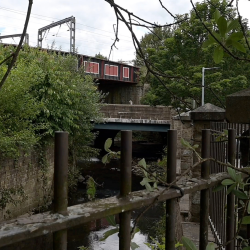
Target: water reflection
112, 242
89, 234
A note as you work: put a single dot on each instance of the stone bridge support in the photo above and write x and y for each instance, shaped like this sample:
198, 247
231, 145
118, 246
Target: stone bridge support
201, 117
182, 123
119, 93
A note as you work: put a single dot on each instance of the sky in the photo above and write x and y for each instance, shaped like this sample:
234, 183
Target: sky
95, 21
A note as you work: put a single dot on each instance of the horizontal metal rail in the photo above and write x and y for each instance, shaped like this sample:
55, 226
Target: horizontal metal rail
41, 224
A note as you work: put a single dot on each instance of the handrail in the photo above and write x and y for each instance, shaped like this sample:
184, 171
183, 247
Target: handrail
41, 224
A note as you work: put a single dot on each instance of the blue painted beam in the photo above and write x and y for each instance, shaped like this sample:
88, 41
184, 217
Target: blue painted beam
133, 126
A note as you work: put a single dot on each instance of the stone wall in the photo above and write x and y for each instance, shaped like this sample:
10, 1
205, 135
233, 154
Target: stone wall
34, 178
201, 117
138, 112
184, 129
122, 94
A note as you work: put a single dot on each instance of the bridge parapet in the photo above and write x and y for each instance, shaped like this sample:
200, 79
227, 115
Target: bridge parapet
142, 112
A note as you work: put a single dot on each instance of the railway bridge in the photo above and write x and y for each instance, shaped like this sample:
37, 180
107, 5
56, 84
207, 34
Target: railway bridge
119, 117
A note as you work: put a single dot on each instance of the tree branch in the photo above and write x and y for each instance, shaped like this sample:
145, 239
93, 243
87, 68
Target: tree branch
209, 31
15, 54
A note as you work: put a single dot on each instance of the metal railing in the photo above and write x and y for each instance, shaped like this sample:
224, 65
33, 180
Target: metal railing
65, 217
222, 206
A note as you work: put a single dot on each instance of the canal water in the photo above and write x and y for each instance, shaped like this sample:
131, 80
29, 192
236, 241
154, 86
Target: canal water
91, 234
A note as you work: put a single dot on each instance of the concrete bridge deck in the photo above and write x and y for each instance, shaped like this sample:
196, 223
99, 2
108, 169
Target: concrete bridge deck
136, 117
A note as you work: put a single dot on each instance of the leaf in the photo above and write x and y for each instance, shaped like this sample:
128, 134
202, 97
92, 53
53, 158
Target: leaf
145, 180
185, 143
238, 46
246, 220
133, 245
188, 243
111, 220
105, 159
236, 36
232, 173
107, 144
240, 194
227, 182
210, 246
109, 233
231, 25
248, 208
218, 188
229, 190
247, 169
218, 54
246, 248
142, 162
238, 178
216, 15
136, 230
222, 25
148, 187
216, 35
208, 43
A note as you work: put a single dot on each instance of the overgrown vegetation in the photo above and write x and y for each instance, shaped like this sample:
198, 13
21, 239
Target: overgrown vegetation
11, 195
179, 52
46, 92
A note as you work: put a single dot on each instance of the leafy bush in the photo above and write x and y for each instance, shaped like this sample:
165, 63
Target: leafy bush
46, 93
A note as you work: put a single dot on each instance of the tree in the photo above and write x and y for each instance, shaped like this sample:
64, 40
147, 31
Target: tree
14, 54
175, 68
100, 56
46, 93
180, 53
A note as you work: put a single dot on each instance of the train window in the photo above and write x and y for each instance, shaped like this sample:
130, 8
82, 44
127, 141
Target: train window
111, 70
91, 67
125, 72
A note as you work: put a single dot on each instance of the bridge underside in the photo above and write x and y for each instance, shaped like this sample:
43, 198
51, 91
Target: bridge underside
153, 127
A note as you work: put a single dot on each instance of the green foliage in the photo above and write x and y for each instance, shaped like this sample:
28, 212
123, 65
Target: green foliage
111, 154
226, 35
13, 196
189, 146
238, 186
147, 177
46, 93
181, 52
91, 188
109, 233
155, 245
18, 108
100, 56
83, 248
188, 244
111, 221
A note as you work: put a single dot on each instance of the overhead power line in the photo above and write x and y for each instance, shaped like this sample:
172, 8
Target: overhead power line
53, 19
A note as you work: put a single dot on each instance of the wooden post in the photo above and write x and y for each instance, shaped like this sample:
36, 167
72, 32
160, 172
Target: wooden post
171, 204
204, 196
125, 188
230, 221
60, 186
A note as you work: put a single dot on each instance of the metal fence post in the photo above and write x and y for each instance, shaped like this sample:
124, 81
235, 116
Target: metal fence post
60, 186
204, 195
125, 188
171, 204
230, 221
